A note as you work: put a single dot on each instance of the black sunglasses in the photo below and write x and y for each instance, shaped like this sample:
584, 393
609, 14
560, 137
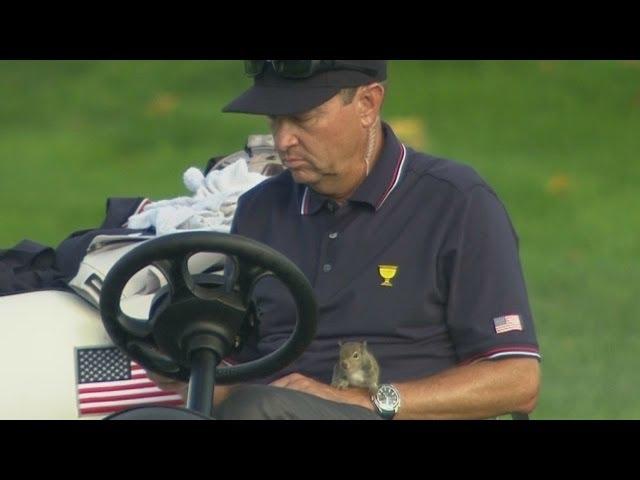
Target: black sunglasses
301, 68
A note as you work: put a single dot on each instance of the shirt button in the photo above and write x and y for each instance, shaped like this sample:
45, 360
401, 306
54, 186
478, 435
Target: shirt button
326, 267
333, 235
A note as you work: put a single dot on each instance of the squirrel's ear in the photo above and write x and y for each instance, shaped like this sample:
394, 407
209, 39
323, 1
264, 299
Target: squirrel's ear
364, 344
339, 343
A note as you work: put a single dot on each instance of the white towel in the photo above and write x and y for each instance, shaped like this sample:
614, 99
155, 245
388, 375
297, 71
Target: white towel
211, 207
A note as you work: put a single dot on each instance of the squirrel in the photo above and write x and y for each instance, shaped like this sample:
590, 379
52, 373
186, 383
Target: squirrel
356, 367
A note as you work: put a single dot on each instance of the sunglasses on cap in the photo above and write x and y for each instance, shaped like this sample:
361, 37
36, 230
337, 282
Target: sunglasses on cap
301, 68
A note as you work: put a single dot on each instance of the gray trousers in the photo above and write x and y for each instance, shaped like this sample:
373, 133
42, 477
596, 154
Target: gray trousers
265, 402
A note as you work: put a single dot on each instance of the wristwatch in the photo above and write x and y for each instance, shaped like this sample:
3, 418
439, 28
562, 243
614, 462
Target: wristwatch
386, 400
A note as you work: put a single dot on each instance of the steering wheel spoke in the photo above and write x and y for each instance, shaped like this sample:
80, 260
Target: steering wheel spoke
153, 358
249, 275
177, 274
138, 328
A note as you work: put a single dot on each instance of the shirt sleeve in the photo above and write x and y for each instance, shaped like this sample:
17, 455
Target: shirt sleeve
488, 312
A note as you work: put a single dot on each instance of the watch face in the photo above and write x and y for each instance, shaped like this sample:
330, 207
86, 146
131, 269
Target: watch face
387, 397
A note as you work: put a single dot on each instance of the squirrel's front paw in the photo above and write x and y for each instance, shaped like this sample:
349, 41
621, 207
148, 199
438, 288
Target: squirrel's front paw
341, 384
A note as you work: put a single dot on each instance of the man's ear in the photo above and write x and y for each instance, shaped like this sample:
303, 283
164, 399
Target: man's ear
369, 102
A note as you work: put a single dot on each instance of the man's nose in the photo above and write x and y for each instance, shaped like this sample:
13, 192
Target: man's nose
284, 135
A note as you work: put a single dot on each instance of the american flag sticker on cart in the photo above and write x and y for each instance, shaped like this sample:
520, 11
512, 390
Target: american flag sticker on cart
108, 381
508, 323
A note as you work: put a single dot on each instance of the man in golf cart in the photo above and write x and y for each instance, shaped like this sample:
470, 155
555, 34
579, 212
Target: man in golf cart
414, 254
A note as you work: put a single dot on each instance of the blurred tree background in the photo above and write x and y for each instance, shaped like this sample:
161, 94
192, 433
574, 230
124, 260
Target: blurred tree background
557, 140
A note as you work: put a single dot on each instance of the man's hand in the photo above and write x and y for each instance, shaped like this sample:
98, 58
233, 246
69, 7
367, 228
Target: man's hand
169, 384
353, 396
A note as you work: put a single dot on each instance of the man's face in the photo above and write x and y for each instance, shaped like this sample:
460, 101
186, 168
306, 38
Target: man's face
323, 146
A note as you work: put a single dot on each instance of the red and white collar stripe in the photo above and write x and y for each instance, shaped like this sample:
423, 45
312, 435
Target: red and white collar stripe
304, 204
395, 179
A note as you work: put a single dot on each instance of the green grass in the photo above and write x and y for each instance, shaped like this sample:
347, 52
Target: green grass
557, 140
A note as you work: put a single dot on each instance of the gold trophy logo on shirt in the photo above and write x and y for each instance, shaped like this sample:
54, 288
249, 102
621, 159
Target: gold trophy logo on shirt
387, 272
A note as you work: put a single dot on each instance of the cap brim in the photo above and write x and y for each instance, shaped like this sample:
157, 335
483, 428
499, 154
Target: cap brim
272, 100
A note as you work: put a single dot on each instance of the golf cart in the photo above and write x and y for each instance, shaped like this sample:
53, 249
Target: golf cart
195, 322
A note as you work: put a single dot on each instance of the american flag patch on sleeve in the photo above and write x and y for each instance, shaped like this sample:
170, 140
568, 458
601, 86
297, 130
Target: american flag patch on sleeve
508, 323
108, 382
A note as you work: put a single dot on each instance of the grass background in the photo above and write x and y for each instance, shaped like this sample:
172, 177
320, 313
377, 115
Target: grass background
558, 141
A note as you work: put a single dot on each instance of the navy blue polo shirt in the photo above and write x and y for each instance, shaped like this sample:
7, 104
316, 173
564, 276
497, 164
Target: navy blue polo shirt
422, 262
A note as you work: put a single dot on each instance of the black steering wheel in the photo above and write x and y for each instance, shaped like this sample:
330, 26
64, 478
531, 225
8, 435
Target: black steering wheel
196, 315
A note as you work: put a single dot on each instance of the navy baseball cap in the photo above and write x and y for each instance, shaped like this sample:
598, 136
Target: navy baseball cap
275, 93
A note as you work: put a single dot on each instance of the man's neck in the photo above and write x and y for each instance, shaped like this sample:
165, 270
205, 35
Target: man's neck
342, 197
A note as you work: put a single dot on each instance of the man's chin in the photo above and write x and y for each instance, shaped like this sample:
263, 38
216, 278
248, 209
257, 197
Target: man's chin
303, 175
